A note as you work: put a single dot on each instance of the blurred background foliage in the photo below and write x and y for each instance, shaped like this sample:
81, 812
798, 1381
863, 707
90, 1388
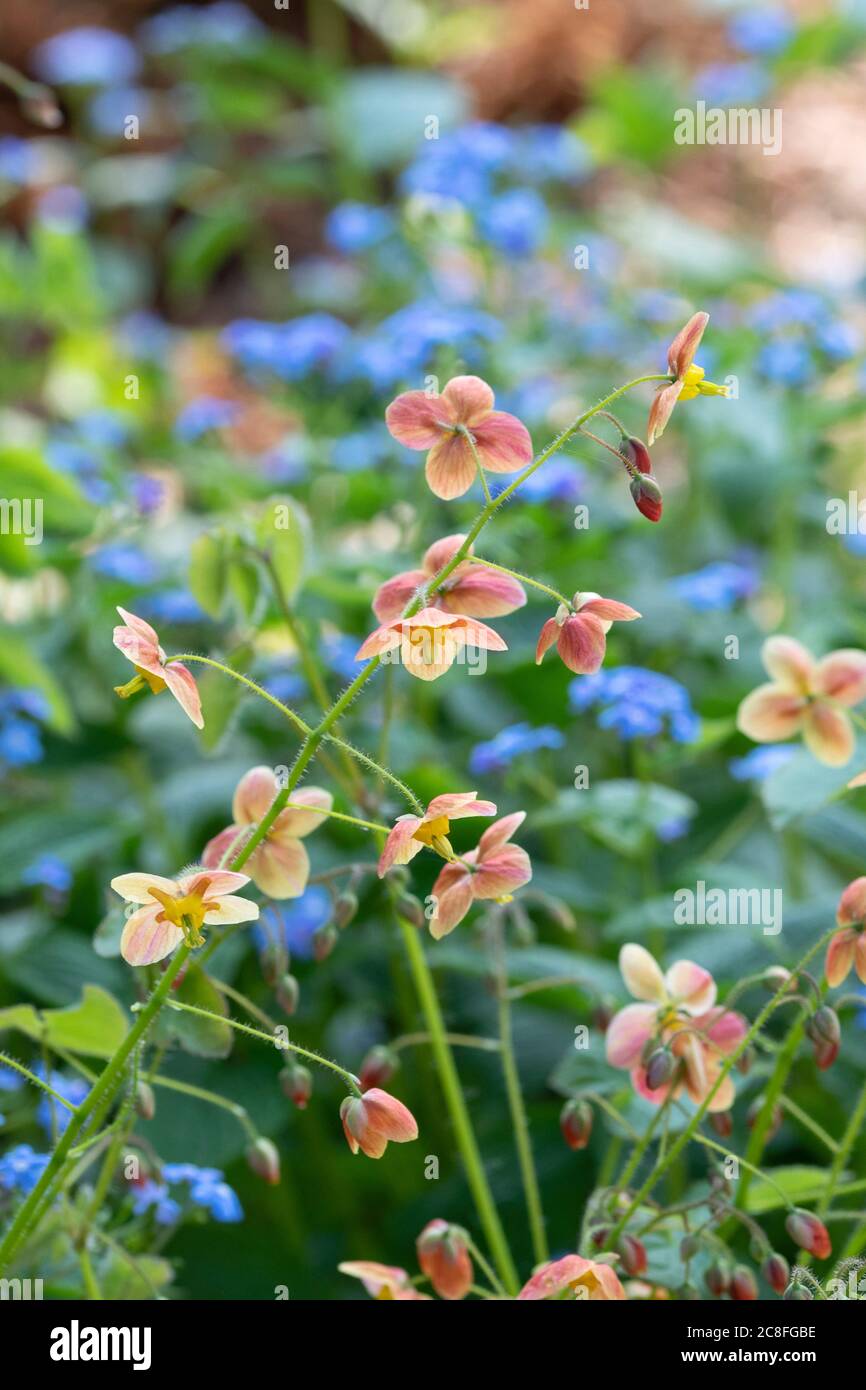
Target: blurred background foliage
166, 380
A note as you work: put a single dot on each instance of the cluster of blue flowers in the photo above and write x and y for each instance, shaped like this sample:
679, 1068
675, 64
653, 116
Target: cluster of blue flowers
21, 1168
716, 586
636, 703
804, 332
52, 1117
511, 742
295, 922
50, 873
206, 1189
21, 713
760, 763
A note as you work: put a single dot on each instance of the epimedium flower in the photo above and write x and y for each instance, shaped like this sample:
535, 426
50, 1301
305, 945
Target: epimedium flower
472, 590
580, 633
443, 1255
429, 642
174, 910
495, 870
687, 379
373, 1120
806, 696
410, 834
848, 946
140, 644
674, 1038
279, 865
574, 1279
383, 1282
450, 424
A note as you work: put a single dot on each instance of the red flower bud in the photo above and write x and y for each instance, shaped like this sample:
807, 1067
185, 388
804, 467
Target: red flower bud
324, 941
288, 993
274, 962
744, 1286
718, 1279
806, 1230
645, 490
378, 1067
776, 1271
660, 1068
264, 1160
444, 1257
722, 1123
297, 1084
372, 1120
575, 1121
345, 909
633, 1255
756, 1108
825, 1054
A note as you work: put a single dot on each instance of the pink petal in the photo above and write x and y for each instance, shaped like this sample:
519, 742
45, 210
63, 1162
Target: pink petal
860, 958
770, 713
441, 553
135, 888
280, 870
610, 609
139, 650
457, 805
394, 596
472, 633
415, 419
642, 976
482, 593
145, 940
851, 910
842, 676
697, 1080
382, 640
384, 1114
428, 652
840, 957
374, 1276
724, 1029
628, 1033
582, 644
725, 1095
231, 909
216, 848
789, 664
469, 399
548, 635
684, 346
641, 1085
139, 626
661, 409
452, 905
692, 987
499, 833
828, 734
450, 468
219, 881
503, 442
502, 873
400, 847
296, 824
254, 795
182, 685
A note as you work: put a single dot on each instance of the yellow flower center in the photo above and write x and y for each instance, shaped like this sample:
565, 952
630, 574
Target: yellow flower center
186, 913
694, 385
138, 682
434, 834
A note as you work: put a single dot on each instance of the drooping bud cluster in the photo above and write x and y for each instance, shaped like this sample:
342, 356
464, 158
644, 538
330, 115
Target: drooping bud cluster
824, 1032
443, 1255
575, 1121
644, 487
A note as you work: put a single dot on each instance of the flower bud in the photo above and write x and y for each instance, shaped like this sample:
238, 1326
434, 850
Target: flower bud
297, 1084
823, 1026
324, 941
575, 1121
798, 1293
288, 993
806, 1230
378, 1067
647, 496
689, 1247
375, 1119
602, 1015
776, 978
145, 1100
660, 1068
411, 909
633, 1255
722, 1123
444, 1257
274, 962
825, 1054
40, 106
756, 1109
776, 1271
264, 1160
345, 908
745, 1061
744, 1285
718, 1279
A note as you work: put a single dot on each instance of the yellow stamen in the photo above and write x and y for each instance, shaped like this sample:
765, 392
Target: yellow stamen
187, 913
138, 682
694, 385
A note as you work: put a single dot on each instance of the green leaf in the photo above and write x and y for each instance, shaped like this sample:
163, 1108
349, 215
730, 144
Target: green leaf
800, 1183
283, 532
200, 245
622, 813
208, 572
120, 1282
19, 666
221, 696
95, 1027
203, 1037
802, 785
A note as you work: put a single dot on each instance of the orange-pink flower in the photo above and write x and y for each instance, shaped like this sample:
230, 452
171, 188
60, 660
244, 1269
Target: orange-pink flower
176, 909
279, 865
140, 645
383, 1281
411, 833
688, 380
443, 1255
373, 1120
496, 869
581, 633
446, 424
574, 1279
677, 1015
429, 642
848, 946
806, 696
470, 589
